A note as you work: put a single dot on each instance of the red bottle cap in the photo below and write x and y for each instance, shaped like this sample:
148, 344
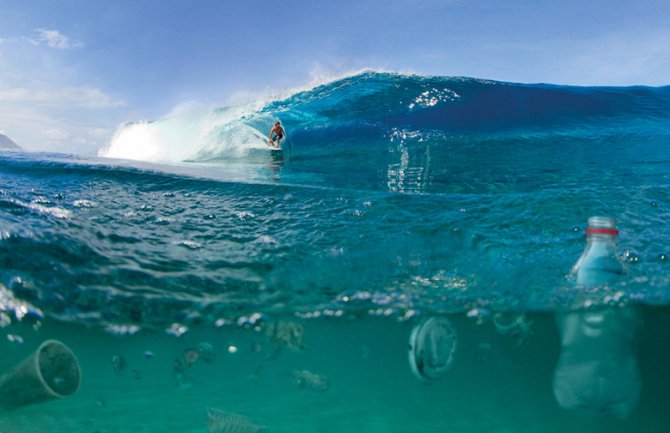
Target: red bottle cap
602, 231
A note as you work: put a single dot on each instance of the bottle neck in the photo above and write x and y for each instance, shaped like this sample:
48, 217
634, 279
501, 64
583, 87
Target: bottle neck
600, 239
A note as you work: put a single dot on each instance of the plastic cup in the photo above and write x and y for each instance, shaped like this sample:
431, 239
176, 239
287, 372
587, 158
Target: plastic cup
51, 372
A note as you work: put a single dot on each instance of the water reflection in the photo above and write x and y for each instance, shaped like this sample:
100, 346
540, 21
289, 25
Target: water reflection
275, 163
410, 163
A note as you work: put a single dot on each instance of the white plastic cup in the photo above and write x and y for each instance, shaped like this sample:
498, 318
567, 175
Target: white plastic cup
51, 372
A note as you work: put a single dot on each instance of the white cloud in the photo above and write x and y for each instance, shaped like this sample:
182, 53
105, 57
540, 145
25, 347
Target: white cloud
47, 103
99, 133
56, 135
93, 138
73, 137
69, 97
55, 39
44, 38
11, 113
62, 128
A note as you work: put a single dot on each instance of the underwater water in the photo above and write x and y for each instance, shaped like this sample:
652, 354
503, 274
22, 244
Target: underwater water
190, 267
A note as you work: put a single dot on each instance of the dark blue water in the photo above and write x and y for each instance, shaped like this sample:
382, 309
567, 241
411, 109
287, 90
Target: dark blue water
395, 196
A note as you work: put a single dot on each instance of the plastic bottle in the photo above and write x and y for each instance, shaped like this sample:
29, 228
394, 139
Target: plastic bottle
597, 370
599, 264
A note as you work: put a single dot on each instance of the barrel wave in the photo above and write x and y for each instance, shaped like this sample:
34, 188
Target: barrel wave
393, 195
414, 133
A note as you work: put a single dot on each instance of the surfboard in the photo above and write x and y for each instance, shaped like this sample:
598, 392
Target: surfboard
276, 154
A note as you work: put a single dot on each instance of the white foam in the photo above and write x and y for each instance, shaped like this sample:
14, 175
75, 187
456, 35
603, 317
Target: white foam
191, 135
55, 211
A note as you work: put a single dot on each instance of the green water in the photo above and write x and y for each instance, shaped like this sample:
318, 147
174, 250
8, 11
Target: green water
506, 388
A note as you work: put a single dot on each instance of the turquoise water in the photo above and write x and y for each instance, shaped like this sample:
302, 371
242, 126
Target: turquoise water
371, 387
395, 198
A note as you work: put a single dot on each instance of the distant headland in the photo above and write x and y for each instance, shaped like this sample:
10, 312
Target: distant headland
8, 143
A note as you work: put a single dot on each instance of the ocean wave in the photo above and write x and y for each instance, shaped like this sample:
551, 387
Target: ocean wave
373, 105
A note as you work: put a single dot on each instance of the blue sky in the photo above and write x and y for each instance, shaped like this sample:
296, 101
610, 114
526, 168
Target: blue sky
72, 71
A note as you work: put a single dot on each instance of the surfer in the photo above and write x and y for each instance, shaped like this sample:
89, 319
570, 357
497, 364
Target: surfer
276, 133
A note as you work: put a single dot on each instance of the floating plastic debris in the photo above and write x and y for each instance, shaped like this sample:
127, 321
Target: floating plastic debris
5, 320
305, 379
255, 320
206, 351
118, 363
599, 264
219, 421
191, 356
51, 372
518, 326
13, 338
177, 329
432, 346
287, 334
478, 314
122, 329
597, 370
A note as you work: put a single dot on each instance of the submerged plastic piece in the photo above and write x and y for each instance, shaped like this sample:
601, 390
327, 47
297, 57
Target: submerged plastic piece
51, 372
597, 371
219, 421
432, 346
287, 333
517, 326
305, 379
191, 356
206, 351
